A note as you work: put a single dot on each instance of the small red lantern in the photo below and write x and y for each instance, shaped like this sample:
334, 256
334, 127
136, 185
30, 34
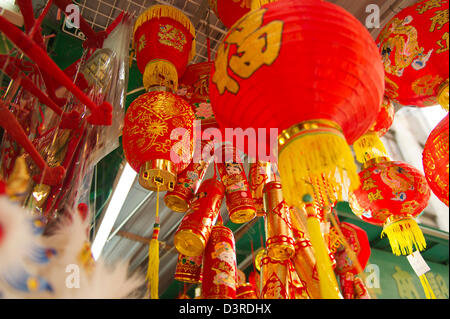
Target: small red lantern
147, 143
219, 270
435, 160
391, 195
414, 46
330, 79
369, 145
349, 264
189, 269
164, 43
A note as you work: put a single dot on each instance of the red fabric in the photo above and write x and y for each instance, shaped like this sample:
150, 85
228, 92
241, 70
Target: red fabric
385, 117
414, 46
435, 160
148, 125
148, 43
358, 241
327, 67
391, 189
229, 11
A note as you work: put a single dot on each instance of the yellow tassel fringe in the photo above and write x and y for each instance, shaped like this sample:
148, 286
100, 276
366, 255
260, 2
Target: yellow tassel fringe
369, 146
404, 235
153, 257
327, 280
160, 73
164, 11
316, 156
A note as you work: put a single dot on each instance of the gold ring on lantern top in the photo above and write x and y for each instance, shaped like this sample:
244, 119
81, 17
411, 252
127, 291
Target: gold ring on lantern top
374, 161
443, 95
292, 132
158, 175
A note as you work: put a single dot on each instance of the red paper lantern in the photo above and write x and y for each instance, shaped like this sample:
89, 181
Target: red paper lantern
194, 87
414, 46
309, 69
229, 11
147, 142
435, 160
219, 265
164, 43
391, 195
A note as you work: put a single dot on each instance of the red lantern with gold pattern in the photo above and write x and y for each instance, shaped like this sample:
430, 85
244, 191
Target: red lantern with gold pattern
229, 11
246, 291
195, 229
164, 43
194, 87
391, 195
237, 191
414, 46
328, 72
435, 160
147, 143
219, 270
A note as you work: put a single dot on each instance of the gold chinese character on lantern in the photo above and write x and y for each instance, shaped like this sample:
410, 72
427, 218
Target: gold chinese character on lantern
369, 184
443, 43
430, 5
439, 19
256, 45
375, 196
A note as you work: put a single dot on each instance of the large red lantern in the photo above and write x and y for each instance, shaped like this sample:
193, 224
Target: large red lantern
414, 46
435, 160
229, 11
309, 69
147, 138
391, 195
164, 43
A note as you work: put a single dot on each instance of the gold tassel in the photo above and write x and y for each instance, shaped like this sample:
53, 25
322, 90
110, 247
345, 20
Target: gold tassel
327, 280
403, 235
316, 151
164, 11
160, 73
369, 146
153, 257
429, 294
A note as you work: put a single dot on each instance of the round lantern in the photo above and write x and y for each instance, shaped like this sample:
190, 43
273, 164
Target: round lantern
309, 69
369, 145
414, 46
391, 195
229, 11
435, 160
194, 87
164, 43
219, 266
194, 231
147, 138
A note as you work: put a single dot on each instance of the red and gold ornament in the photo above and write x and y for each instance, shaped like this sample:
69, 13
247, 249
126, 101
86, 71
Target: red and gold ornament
219, 271
189, 269
435, 160
246, 291
391, 195
164, 43
259, 175
414, 46
275, 278
195, 229
147, 143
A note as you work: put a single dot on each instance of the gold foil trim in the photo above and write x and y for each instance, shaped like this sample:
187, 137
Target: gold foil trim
158, 175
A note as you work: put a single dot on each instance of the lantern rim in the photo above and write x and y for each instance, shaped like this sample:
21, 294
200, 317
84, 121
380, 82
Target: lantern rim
158, 168
185, 236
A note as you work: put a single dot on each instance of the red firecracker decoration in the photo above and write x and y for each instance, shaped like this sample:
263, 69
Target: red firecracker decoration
164, 43
391, 195
147, 143
219, 265
414, 46
329, 79
435, 160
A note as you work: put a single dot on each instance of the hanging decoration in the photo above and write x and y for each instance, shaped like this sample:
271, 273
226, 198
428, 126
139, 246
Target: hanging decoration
259, 175
391, 195
435, 160
246, 291
297, 287
414, 46
314, 133
275, 278
189, 269
280, 243
195, 229
369, 145
237, 191
219, 270
164, 43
